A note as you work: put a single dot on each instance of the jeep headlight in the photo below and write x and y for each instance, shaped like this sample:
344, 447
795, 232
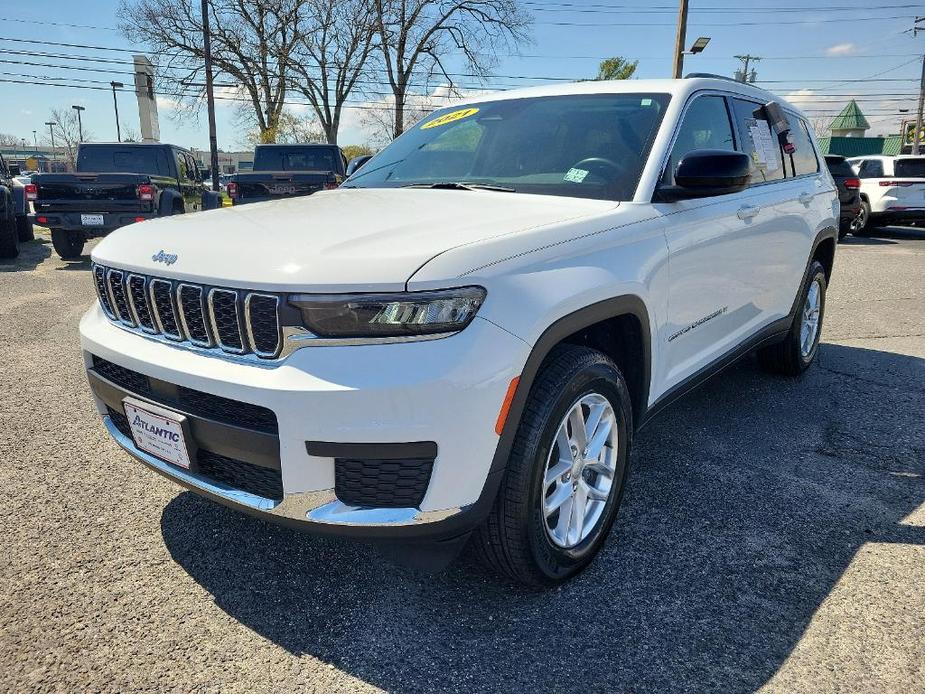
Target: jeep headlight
402, 314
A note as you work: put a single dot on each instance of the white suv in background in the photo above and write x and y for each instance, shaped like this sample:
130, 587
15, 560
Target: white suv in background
461, 341
892, 190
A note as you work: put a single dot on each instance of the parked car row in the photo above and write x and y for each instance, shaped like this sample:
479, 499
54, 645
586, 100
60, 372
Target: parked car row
116, 184
878, 190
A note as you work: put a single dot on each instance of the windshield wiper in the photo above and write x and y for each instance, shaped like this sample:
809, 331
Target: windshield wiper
460, 185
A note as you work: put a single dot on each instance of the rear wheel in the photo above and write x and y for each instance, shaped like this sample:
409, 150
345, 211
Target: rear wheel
861, 224
24, 229
9, 238
565, 476
69, 245
796, 352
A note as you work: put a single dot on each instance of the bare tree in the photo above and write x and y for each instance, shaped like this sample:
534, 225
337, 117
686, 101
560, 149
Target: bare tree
291, 129
7, 140
416, 36
337, 38
822, 125
252, 44
129, 133
67, 133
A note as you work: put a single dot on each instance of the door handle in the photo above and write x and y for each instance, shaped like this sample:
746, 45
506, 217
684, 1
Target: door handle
747, 212
806, 198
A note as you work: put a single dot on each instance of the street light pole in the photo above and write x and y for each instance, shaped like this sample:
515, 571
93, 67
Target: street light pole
115, 102
210, 98
80, 125
679, 40
51, 129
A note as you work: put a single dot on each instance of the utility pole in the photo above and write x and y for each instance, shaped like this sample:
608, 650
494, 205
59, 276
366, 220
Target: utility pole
115, 102
80, 125
210, 98
742, 75
917, 138
679, 40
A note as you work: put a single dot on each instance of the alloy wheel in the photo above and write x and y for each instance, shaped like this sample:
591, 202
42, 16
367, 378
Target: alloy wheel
580, 470
809, 328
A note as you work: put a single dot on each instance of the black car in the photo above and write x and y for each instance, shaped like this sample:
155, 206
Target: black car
15, 226
849, 193
117, 184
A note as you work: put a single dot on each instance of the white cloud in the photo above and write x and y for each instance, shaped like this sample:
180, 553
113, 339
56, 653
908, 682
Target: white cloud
841, 49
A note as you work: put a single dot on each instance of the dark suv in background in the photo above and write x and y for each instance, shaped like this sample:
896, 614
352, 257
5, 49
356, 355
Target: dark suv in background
849, 193
117, 184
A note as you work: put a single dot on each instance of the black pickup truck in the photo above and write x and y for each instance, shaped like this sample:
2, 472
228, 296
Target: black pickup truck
285, 171
117, 184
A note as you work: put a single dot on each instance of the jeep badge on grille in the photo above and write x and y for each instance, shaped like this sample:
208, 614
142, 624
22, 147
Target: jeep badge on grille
166, 258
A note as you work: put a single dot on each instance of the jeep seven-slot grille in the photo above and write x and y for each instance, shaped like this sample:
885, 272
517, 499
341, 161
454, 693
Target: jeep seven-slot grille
230, 320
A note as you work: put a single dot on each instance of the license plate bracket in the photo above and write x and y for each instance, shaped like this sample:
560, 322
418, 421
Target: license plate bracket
91, 220
163, 433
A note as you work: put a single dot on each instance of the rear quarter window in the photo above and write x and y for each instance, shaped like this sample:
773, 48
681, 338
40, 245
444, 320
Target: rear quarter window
803, 160
912, 167
839, 166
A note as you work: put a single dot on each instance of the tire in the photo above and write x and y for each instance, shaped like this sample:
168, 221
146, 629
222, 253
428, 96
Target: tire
9, 238
861, 225
793, 355
516, 539
69, 245
24, 229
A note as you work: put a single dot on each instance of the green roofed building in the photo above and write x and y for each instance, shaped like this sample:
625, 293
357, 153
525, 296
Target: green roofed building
847, 136
850, 122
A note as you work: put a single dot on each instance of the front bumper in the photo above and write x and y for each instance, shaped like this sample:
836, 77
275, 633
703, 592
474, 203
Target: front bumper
446, 391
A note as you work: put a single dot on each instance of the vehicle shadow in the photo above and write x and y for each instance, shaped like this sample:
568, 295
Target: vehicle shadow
82, 263
31, 255
748, 500
885, 235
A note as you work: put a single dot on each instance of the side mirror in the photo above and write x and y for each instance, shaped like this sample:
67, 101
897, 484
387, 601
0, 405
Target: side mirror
357, 162
15, 170
705, 173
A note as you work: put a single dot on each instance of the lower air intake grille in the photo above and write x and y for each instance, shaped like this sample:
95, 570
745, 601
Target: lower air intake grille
382, 483
192, 402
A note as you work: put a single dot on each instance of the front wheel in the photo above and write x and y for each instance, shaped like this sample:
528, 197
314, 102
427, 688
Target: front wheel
9, 239
796, 352
565, 476
69, 245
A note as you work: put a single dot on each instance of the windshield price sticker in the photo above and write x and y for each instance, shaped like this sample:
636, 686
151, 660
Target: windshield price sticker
450, 118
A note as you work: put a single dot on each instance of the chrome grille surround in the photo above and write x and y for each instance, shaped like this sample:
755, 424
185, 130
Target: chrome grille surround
231, 322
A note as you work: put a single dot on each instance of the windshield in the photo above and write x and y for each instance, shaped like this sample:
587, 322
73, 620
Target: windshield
294, 159
590, 146
914, 168
121, 159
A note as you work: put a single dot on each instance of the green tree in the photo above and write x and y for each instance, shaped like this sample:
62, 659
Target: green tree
616, 68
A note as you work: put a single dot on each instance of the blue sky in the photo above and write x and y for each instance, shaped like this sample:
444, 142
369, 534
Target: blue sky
811, 55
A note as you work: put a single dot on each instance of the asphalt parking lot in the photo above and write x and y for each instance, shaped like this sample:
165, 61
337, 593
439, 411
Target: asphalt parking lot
772, 536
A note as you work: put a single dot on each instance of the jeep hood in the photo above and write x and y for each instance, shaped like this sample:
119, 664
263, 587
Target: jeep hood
370, 239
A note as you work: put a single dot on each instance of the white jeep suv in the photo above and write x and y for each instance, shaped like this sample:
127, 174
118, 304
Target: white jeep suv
892, 190
462, 340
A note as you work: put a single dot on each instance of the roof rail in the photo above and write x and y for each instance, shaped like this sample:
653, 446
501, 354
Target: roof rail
692, 75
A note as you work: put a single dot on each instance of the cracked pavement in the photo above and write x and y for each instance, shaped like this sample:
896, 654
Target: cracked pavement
772, 537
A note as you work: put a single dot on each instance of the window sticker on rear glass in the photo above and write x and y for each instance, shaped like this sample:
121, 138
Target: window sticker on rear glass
575, 175
766, 150
450, 117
